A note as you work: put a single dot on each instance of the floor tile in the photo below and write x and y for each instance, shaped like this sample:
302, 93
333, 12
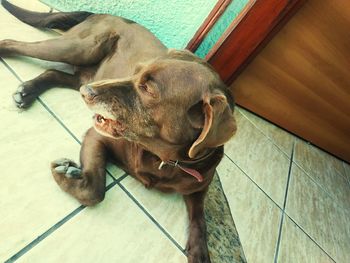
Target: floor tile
318, 214
257, 218
281, 138
30, 140
30, 200
72, 110
259, 158
114, 231
324, 169
341, 235
12, 28
32, 5
169, 211
297, 247
347, 171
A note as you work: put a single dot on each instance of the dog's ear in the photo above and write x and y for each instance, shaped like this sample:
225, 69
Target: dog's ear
217, 120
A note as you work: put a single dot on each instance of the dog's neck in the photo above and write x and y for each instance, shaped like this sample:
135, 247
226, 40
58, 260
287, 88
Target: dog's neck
177, 157
179, 153
203, 156
190, 166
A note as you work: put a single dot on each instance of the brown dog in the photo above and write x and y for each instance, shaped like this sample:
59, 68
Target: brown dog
162, 115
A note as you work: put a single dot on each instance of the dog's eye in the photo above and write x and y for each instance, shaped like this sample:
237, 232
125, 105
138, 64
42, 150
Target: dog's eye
143, 87
148, 90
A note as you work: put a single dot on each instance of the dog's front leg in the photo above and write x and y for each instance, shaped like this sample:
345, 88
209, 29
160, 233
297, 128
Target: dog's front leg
85, 183
197, 249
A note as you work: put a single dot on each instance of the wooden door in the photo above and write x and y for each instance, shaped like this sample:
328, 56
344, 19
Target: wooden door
301, 79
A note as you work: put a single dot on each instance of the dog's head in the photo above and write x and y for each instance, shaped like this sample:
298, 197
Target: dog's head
176, 102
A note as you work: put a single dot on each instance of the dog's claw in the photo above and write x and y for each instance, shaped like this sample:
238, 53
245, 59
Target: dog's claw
67, 167
20, 89
62, 162
73, 172
17, 97
61, 169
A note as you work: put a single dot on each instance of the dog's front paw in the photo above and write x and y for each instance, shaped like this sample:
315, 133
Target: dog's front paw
25, 95
65, 167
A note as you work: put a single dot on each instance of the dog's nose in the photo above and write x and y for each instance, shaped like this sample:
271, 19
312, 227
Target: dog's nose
88, 92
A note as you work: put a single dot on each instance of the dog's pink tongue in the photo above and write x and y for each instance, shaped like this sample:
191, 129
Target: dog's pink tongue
192, 172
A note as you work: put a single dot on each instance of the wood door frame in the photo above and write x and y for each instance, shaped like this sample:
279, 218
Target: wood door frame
208, 23
248, 34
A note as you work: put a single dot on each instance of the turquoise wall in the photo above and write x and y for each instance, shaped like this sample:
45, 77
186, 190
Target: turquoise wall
220, 26
174, 22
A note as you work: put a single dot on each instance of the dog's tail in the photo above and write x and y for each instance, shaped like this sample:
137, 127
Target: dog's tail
60, 20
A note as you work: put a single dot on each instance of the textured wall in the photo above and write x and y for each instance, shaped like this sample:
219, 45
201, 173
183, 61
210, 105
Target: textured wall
219, 28
173, 21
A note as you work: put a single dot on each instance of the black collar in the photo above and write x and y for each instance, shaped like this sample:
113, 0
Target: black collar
183, 164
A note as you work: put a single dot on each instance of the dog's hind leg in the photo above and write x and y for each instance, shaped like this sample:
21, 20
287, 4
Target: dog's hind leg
28, 91
73, 50
85, 183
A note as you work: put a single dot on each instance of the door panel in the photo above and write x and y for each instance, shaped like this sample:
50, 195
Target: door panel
301, 79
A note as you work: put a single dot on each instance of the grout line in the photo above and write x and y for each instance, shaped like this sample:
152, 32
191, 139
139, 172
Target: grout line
279, 237
347, 177
285, 130
254, 182
58, 119
288, 179
284, 205
116, 182
50, 111
111, 175
11, 70
314, 241
265, 134
74, 137
44, 235
43, 103
283, 212
57, 225
331, 196
152, 218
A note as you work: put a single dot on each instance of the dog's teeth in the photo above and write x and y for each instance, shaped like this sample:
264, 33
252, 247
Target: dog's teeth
100, 119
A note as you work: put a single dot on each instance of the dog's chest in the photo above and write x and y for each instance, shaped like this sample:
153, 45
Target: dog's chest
143, 166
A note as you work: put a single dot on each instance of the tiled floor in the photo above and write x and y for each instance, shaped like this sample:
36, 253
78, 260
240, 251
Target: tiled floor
289, 200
